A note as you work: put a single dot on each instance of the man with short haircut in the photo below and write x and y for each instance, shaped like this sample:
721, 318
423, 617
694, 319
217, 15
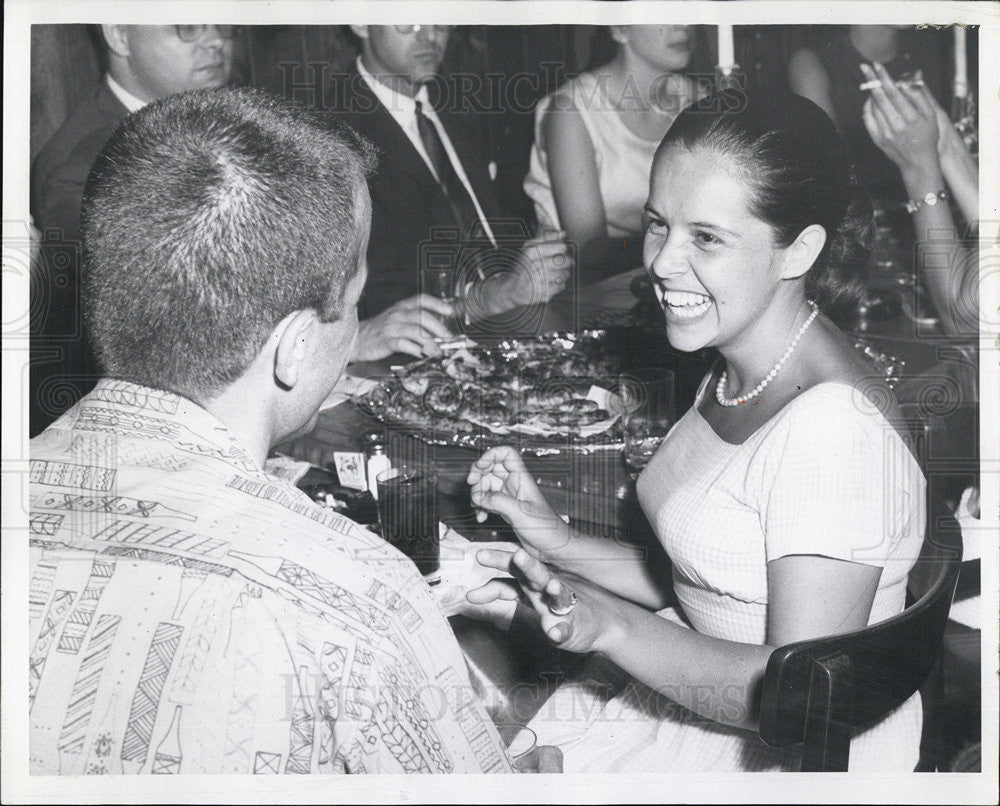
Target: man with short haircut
433, 178
190, 612
144, 63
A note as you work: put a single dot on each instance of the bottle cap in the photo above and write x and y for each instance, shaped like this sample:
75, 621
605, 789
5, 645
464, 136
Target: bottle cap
373, 441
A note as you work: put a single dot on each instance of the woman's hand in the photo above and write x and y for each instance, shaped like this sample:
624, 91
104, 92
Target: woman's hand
502, 484
948, 136
901, 121
591, 619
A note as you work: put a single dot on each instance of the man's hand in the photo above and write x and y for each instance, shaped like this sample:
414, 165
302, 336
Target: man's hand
540, 271
543, 268
410, 326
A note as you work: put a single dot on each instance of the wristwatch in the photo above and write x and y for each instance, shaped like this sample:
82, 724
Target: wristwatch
930, 200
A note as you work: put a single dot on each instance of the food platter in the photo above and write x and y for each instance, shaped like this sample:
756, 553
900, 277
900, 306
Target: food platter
545, 395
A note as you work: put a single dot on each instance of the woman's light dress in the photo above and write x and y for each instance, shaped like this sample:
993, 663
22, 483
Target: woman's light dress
624, 159
828, 475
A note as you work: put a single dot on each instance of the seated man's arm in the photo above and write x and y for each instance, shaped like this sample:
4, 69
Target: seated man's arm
531, 275
407, 703
410, 326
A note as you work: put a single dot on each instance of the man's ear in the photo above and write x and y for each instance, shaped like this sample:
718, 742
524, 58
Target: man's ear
117, 38
293, 334
360, 31
803, 251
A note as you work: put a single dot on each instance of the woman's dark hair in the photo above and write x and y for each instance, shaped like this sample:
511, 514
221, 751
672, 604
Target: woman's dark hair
800, 174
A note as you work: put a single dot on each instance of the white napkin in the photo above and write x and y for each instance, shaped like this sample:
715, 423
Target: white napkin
347, 386
286, 468
461, 573
967, 610
968, 516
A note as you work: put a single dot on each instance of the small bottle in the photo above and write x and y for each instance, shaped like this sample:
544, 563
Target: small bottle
377, 460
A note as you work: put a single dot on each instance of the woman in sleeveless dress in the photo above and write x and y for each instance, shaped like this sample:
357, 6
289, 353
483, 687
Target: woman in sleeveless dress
788, 503
595, 138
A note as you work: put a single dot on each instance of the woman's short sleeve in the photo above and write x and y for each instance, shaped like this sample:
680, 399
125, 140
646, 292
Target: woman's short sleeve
842, 484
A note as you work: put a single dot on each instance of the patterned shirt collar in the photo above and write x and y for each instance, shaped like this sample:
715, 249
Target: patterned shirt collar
193, 424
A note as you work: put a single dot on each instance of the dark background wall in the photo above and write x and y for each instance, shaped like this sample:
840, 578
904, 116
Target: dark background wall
506, 69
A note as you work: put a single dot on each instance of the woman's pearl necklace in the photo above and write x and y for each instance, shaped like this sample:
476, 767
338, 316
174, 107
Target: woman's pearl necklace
720, 389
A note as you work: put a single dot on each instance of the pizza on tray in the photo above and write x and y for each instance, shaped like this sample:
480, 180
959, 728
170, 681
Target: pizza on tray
554, 387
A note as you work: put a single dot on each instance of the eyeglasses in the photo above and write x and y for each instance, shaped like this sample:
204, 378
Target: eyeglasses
192, 33
412, 29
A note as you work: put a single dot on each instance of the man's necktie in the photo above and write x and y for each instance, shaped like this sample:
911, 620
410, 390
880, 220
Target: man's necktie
458, 197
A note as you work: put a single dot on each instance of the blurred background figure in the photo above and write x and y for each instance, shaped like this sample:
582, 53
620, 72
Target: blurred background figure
142, 63
911, 129
886, 88
942, 184
827, 70
595, 138
434, 176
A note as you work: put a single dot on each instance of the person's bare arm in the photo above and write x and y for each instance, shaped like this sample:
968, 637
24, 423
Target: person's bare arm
808, 77
576, 188
962, 175
808, 597
574, 175
903, 124
957, 164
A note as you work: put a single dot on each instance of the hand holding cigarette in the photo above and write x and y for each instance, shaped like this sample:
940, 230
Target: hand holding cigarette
901, 120
914, 80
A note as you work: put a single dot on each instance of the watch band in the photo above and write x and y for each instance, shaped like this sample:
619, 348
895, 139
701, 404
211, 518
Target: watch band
930, 199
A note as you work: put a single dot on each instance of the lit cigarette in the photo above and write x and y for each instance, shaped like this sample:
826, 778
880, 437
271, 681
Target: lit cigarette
912, 82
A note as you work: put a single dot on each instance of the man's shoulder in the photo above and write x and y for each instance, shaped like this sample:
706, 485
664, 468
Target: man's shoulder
206, 496
348, 96
76, 143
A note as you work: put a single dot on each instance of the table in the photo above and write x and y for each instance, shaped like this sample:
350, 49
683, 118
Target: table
517, 670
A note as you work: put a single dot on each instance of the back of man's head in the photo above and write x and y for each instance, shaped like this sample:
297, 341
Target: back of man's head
208, 218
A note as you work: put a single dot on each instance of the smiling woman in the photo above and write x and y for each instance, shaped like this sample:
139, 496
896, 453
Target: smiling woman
753, 220
789, 505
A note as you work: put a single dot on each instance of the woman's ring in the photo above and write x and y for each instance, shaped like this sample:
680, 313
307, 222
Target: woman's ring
564, 611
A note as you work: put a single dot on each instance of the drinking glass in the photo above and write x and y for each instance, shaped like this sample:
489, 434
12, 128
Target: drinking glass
447, 287
408, 514
648, 413
440, 284
519, 741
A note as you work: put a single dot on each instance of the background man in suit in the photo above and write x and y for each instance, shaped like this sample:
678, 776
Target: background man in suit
433, 177
144, 63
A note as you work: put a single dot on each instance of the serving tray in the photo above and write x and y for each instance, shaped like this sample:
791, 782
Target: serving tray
554, 366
